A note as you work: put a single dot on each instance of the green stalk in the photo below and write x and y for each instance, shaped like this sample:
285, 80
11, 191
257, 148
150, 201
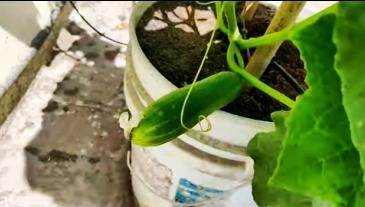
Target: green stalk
230, 11
237, 54
267, 89
284, 34
264, 40
234, 54
254, 81
219, 8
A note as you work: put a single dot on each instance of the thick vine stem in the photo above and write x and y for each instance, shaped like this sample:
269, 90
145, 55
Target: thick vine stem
230, 13
284, 17
265, 40
252, 80
284, 34
219, 8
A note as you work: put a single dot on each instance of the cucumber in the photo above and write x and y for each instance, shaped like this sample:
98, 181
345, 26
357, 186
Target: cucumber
160, 121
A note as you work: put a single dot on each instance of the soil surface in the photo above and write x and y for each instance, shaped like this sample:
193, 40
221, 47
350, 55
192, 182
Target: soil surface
174, 36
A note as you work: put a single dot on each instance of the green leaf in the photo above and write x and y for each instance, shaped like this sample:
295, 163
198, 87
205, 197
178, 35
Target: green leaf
349, 37
360, 198
161, 120
264, 149
318, 157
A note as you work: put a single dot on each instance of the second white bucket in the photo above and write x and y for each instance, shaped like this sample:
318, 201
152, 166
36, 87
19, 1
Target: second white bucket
196, 169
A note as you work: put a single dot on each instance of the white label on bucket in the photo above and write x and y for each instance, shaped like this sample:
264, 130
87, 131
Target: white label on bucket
190, 193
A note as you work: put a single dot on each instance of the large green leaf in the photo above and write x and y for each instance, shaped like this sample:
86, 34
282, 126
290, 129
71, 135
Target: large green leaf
265, 149
360, 197
318, 157
349, 37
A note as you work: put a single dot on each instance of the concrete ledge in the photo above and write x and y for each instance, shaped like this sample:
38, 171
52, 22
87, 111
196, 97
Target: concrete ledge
14, 93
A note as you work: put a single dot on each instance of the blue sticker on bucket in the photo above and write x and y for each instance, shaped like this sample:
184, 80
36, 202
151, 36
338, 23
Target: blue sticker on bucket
190, 193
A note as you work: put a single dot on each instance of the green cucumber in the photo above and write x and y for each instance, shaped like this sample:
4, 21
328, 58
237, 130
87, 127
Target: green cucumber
160, 121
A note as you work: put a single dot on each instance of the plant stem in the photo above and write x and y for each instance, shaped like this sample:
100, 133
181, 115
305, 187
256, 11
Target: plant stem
253, 80
219, 8
265, 39
284, 34
284, 17
230, 12
266, 89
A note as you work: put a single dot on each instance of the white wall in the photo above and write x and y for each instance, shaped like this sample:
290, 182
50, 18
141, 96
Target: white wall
19, 24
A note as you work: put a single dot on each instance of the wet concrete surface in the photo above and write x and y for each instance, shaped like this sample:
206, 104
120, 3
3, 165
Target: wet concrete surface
79, 156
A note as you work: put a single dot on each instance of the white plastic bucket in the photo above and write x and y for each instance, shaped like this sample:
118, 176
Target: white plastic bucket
196, 169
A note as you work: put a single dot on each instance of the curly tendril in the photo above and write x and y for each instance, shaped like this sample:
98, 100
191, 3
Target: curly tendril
209, 127
201, 117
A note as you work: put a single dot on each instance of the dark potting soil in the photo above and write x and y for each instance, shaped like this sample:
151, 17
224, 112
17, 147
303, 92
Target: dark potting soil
170, 37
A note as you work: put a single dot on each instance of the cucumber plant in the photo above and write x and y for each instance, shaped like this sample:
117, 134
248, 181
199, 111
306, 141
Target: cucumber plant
316, 155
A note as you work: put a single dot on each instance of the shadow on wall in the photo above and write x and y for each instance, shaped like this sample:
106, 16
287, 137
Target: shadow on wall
20, 19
